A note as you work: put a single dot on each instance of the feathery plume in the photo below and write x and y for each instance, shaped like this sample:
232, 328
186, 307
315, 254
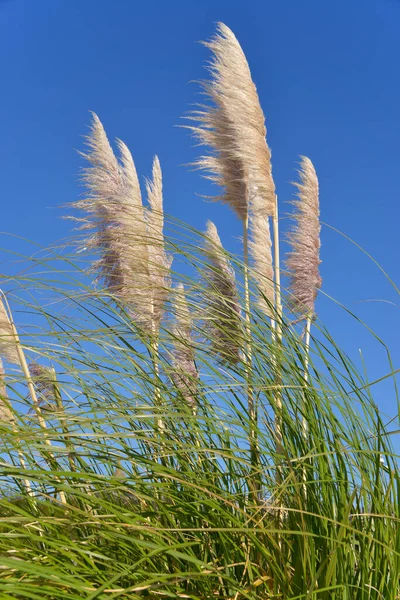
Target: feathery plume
185, 374
130, 264
303, 261
260, 249
131, 245
221, 167
44, 380
159, 261
234, 127
8, 346
223, 319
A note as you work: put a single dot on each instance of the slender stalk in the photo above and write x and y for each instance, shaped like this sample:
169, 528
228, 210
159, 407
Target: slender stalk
304, 423
306, 365
156, 372
31, 388
248, 362
7, 414
160, 427
277, 328
278, 295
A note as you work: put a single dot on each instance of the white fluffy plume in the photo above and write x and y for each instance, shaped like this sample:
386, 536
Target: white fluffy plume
303, 260
128, 237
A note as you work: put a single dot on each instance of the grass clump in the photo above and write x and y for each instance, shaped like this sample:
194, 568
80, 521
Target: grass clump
179, 437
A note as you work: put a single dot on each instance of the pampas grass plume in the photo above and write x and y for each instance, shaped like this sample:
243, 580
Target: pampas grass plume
159, 261
234, 127
303, 260
222, 310
128, 237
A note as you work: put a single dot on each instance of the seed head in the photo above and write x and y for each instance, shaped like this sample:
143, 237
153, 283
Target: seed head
222, 307
303, 260
128, 237
233, 126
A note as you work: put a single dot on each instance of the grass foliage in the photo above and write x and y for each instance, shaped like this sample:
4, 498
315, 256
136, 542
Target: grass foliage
171, 512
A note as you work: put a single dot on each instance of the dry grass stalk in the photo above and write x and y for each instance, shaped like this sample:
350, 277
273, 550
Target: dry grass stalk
185, 374
303, 261
13, 352
222, 310
276, 324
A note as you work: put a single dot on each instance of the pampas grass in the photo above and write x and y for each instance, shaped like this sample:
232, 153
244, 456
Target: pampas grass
303, 260
222, 308
260, 249
129, 237
223, 494
114, 215
233, 127
159, 264
159, 261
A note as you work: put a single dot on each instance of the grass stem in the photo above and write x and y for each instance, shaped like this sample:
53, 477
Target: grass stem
277, 328
32, 391
256, 485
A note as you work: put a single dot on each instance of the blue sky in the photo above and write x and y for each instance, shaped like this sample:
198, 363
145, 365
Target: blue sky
328, 80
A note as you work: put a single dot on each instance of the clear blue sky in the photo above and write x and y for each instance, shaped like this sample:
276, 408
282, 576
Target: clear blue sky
329, 82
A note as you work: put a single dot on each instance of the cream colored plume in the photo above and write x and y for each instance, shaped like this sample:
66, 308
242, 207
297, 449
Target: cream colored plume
185, 373
303, 261
234, 127
263, 273
132, 259
159, 261
45, 381
222, 307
